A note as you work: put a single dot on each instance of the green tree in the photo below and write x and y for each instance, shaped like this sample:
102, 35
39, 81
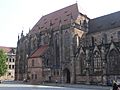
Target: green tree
3, 65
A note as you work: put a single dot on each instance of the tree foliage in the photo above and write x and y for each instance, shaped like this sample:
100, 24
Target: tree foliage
3, 65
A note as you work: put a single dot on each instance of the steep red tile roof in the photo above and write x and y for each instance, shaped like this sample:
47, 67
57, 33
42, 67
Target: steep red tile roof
54, 18
6, 49
40, 51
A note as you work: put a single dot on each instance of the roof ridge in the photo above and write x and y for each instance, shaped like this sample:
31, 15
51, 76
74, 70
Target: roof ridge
106, 15
61, 9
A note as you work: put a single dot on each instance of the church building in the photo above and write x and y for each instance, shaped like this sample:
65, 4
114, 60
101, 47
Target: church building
66, 46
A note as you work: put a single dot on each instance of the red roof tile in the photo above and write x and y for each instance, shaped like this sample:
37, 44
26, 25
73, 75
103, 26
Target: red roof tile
40, 51
64, 15
6, 49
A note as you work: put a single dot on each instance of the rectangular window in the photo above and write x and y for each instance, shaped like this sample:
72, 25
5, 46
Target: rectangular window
57, 73
32, 76
13, 66
9, 59
32, 62
9, 73
35, 76
54, 73
9, 66
13, 60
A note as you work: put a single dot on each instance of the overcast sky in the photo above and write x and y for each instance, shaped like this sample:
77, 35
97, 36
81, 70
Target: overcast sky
18, 15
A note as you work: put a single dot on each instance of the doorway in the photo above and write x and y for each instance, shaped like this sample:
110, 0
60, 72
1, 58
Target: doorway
66, 74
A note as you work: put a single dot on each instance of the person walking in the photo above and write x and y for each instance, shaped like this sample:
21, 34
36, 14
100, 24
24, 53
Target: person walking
115, 86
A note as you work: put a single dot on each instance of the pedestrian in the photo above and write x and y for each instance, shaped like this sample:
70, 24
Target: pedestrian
115, 86
118, 86
56, 81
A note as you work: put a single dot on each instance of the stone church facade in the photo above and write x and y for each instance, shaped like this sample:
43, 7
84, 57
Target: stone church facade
80, 49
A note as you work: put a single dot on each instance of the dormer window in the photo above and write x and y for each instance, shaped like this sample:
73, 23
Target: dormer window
38, 27
68, 14
45, 22
65, 19
45, 19
53, 23
113, 23
66, 11
42, 27
56, 18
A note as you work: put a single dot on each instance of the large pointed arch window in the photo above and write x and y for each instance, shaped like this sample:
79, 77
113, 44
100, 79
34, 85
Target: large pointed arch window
97, 62
67, 46
57, 52
82, 63
113, 62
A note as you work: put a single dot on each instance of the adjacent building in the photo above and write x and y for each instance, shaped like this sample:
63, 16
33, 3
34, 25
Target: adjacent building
68, 47
11, 57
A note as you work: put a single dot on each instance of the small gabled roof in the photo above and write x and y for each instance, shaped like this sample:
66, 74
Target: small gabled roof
105, 22
7, 49
39, 52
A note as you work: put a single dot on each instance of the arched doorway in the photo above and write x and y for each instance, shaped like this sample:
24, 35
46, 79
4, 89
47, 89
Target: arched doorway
66, 74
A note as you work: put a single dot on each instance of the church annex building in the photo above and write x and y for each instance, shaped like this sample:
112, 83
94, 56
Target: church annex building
68, 47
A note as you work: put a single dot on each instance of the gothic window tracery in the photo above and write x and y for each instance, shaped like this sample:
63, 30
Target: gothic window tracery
97, 61
57, 54
113, 62
67, 46
82, 63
